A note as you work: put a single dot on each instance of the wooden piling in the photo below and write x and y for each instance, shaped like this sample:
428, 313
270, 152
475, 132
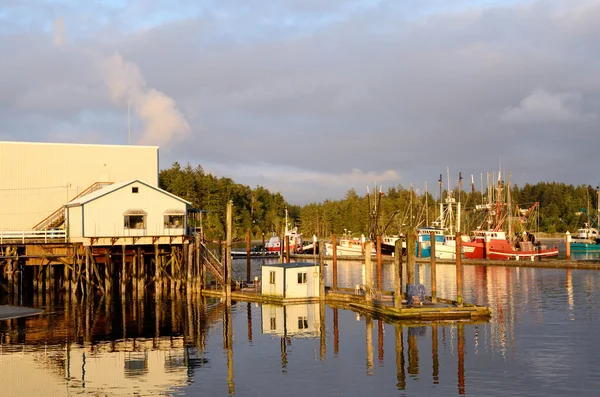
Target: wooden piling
88, 274
433, 269
199, 265
459, 271
379, 264
322, 270
398, 274
410, 254
248, 243
334, 261
568, 245
107, 272
287, 249
228, 253
486, 247
368, 272
123, 270
157, 275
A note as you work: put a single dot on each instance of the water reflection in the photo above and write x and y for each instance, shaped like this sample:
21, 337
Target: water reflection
542, 331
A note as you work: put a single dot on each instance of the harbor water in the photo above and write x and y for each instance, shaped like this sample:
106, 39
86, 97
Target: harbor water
540, 341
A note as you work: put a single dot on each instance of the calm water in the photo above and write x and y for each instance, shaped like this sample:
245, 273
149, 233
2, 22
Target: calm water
541, 340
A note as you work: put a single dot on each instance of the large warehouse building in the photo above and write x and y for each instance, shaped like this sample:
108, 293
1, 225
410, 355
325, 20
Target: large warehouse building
39, 178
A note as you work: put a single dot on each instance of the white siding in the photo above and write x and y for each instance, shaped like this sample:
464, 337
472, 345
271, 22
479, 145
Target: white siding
295, 290
75, 222
38, 178
272, 289
104, 216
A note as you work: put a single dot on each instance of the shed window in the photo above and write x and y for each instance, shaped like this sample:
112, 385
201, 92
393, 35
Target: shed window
135, 189
302, 323
271, 277
301, 278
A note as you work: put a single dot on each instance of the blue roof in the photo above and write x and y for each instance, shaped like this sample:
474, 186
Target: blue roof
292, 265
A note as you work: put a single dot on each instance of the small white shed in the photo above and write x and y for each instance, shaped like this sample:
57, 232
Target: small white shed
290, 280
129, 208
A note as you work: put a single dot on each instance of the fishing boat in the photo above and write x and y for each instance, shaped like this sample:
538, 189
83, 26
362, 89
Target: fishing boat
586, 240
502, 246
349, 246
274, 243
442, 250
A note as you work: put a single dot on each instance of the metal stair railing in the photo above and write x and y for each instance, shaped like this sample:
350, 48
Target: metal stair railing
58, 216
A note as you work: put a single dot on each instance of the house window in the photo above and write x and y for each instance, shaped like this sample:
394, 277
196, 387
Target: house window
135, 219
134, 189
173, 221
301, 278
302, 323
273, 324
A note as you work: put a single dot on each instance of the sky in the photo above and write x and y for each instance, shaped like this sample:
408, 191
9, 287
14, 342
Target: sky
312, 98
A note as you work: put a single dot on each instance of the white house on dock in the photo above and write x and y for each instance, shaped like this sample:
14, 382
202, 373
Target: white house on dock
295, 281
132, 211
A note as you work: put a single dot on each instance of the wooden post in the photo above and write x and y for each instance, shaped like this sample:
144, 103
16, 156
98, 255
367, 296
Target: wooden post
157, 275
141, 270
410, 252
88, 273
263, 243
107, 272
433, 269
228, 252
248, 242
282, 248
368, 271
379, 265
123, 270
486, 247
568, 245
459, 271
199, 265
190, 265
334, 260
322, 270
398, 274
287, 249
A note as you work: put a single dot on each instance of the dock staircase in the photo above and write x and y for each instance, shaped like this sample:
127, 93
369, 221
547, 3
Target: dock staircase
214, 266
57, 218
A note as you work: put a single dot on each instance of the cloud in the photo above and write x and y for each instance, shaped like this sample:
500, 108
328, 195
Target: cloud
162, 121
58, 32
544, 107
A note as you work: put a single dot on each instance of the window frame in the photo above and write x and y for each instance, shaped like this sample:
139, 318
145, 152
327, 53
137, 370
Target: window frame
272, 277
302, 278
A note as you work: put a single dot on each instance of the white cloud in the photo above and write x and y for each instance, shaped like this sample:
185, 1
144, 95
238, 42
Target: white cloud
544, 107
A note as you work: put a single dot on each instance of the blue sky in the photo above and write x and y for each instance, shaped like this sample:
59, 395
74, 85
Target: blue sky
313, 97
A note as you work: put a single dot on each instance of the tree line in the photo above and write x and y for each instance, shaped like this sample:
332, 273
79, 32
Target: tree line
562, 207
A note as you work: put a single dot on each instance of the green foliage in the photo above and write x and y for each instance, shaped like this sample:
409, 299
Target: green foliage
261, 211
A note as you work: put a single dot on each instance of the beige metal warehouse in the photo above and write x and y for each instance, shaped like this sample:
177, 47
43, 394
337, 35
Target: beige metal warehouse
39, 178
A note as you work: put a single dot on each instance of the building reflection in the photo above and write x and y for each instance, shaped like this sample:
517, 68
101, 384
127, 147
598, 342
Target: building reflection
96, 348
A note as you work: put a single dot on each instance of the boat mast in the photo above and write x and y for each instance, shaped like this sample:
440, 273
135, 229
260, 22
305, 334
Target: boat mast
441, 204
460, 178
509, 204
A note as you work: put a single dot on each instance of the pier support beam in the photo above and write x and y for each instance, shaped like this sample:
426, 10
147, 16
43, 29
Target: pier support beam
334, 260
410, 254
228, 252
567, 245
379, 264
